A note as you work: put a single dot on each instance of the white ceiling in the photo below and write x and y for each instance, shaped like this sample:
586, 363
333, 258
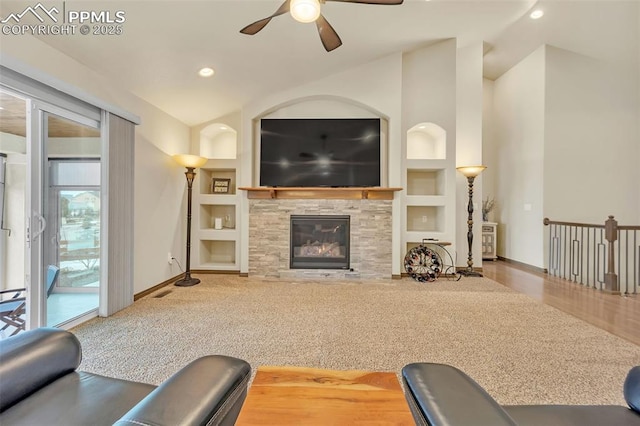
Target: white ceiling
165, 42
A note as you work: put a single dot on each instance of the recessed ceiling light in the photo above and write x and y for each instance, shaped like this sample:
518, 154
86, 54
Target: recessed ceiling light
536, 14
206, 72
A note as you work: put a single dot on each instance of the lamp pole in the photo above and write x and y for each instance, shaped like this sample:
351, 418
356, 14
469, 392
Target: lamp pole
190, 162
470, 172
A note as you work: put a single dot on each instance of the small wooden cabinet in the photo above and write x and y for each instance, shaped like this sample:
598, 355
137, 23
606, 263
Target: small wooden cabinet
489, 240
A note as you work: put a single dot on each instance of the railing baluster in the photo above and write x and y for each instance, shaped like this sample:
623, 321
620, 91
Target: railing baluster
575, 256
582, 254
588, 254
555, 250
623, 268
565, 246
601, 253
611, 234
636, 265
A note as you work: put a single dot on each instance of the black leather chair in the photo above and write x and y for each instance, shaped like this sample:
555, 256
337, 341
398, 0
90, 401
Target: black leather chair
39, 385
440, 394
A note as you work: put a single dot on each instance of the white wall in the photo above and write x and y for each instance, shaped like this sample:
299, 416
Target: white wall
469, 148
564, 142
376, 85
519, 108
429, 96
592, 146
429, 89
156, 176
489, 148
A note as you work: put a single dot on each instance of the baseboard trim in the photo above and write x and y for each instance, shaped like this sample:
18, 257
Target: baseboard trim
524, 266
213, 271
150, 290
165, 283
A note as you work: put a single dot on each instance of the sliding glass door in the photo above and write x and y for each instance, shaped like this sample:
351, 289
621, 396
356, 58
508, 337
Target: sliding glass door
63, 234
67, 223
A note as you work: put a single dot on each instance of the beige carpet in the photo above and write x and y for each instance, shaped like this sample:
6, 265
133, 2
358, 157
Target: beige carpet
521, 350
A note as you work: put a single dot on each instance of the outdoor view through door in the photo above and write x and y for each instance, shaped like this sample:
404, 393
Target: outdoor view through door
78, 226
73, 216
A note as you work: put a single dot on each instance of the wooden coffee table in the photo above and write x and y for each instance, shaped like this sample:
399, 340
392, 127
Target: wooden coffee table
311, 396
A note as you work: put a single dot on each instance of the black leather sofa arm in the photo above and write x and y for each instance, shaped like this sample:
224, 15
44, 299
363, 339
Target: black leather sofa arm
208, 391
34, 360
631, 389
441, 395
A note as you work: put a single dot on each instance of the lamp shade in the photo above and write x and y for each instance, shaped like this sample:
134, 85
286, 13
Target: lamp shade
305, 10
190, 161
471, 171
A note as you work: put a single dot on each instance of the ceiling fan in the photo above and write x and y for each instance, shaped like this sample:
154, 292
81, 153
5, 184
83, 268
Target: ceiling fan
309, 11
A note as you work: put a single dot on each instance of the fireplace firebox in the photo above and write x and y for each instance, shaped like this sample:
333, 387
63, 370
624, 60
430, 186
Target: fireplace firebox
319, 242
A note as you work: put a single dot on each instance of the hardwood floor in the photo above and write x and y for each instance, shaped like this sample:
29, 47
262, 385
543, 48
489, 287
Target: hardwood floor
618, 315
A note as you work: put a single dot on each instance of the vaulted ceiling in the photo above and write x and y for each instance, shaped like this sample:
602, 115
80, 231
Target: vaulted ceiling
164, 43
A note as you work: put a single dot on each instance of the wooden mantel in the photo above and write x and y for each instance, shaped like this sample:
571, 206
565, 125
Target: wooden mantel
320, 193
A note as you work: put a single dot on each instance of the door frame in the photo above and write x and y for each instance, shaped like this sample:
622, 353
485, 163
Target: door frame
37, 201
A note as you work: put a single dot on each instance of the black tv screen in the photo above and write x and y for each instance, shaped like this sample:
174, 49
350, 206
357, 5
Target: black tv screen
328, 152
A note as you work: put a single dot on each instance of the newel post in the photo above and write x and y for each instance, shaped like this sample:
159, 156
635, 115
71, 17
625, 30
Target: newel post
610, 277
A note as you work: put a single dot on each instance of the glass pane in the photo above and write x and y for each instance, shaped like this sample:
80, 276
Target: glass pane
13, 175
73, 152
75, 174
79, 239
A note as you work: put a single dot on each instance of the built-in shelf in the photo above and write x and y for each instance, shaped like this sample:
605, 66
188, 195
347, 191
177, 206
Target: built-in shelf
426, 141
216, 212
217, 253
426, 182
369, 193
208, 176
222, 215
425, 218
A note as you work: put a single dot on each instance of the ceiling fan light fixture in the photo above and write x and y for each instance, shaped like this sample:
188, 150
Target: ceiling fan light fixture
536, 14
305, 11
206, 72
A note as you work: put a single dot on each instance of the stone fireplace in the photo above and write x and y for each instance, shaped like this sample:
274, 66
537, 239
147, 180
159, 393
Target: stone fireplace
370, 240
319, 242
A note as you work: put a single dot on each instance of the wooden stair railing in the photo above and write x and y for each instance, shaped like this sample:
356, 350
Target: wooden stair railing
605, 257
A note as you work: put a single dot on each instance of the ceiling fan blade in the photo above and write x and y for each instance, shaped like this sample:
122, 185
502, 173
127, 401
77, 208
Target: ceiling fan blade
381, 2
328, 36
253, 28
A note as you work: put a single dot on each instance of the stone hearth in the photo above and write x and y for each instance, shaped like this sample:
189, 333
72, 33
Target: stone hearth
269, 233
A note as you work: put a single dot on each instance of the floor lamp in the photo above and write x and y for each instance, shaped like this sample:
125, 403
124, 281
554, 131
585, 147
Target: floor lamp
470, 173
191, 162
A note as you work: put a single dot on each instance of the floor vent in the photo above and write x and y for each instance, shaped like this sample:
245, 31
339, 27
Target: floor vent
162, 294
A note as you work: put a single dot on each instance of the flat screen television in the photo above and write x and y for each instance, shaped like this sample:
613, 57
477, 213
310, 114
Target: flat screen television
325, 152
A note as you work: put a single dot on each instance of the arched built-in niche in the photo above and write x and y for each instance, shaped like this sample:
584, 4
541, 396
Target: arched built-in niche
429, 197
218, 141
216, 212
323, 106
426, 141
